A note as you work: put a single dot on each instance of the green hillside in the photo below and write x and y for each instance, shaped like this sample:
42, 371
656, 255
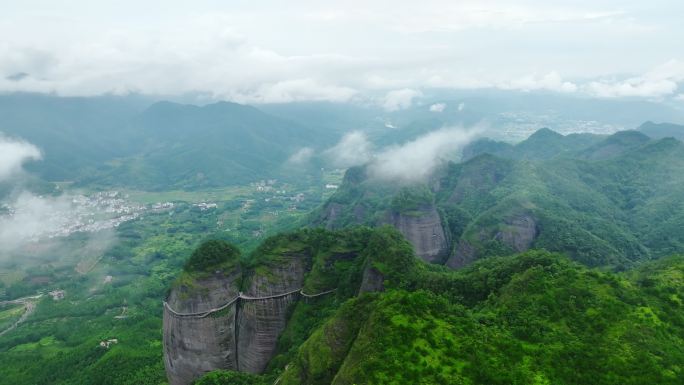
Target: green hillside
121, 142
663, 130
610, 203
531, 318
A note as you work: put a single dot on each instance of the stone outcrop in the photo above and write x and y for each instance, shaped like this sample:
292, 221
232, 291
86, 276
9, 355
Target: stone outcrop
331, 215
241, 336
261, 322
464, 254
372, 281
193, 346
424, 230
519, 232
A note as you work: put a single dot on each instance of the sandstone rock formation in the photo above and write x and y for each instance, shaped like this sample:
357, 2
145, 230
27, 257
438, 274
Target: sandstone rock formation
261, 322
193, 346
424, 230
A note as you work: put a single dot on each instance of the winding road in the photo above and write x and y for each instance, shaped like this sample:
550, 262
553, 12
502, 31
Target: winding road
29, 306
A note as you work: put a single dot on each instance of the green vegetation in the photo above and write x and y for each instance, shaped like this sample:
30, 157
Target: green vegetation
9, 314
225, 377
535, 318
212, 254
531, 318
605, 201
613, 204
663, 130
411, 199
133, 143
60, 342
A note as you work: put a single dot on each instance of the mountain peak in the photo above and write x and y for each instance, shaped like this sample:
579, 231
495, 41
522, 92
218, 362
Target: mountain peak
544, 133
628, 136
662, 130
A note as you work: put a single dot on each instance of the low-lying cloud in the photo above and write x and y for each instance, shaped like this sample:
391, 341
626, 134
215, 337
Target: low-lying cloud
416, 160
13, 154
31, 218
354, 149
411, 162
438, 107
301, 156
400, 99
33, 224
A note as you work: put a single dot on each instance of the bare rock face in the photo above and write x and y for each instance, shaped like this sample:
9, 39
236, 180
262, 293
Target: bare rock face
424, 230
336, 215
260, 322
519, 233
465, 253
372, 281
331, 215
193, 346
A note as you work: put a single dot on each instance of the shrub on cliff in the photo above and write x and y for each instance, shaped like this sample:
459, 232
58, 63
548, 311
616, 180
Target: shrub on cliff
210, 254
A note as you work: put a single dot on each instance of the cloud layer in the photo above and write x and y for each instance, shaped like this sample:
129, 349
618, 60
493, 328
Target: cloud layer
27, 218
416, 160
411, 162
354, 149
13, 154
384, 52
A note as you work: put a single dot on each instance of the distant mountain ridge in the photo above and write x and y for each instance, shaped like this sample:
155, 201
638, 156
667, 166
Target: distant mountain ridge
605, 201
186, 146
112, 141
386, 317
662, 130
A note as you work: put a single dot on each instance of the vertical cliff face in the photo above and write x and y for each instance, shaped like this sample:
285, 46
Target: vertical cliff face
193, 346
424, 230
516, 232
259, 323
463, 255
519, 232
240, 337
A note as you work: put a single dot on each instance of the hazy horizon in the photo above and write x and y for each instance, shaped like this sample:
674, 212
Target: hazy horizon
380, 52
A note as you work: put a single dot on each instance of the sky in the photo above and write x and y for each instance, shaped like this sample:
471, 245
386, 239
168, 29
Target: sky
342, 51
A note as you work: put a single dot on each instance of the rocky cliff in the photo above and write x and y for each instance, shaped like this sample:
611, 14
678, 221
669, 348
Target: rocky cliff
193, 346
259, 323
424, 230
199, 338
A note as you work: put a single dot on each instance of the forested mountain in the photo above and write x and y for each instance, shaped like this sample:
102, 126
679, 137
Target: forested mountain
186, 146
531, 318
603, 201
74, 134
119, 141
663, 130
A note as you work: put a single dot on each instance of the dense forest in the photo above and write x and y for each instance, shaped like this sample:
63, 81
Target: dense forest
609, 201
530, 318
341, 193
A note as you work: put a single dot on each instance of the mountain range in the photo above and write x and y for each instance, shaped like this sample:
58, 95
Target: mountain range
603, 200
117, 142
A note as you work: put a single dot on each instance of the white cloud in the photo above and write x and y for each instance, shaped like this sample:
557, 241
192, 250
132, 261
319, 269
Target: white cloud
301, 156
461, 106
300, 90
335, 51
33, 218
26, 218
659, 82
400, 99
416, 160
13, 154
438, 107
353, 149
552, 81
